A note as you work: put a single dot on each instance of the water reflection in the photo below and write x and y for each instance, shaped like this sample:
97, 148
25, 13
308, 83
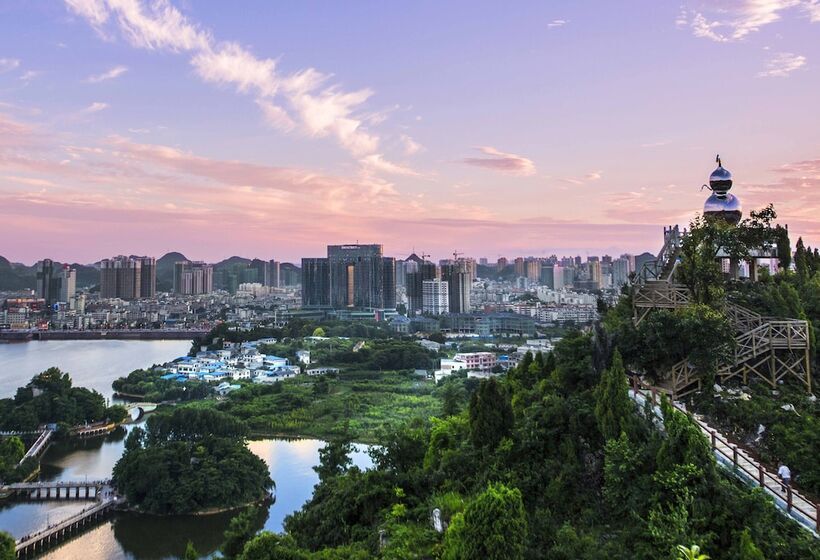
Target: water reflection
91, 363
141, 537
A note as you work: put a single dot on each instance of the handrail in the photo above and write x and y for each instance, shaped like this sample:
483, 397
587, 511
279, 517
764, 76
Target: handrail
792, 501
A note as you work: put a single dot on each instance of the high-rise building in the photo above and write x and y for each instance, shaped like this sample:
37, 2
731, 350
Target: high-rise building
458, 285
389, 283
435, 297
275, 278
193, 278
421, 271
120, 277
68, 284
315, 282
148, 277
262, 269
55, 284
128, 277
357, 277
482, 261
532, 269
519, 266
47, 282
620, 272
501, 264
401, 273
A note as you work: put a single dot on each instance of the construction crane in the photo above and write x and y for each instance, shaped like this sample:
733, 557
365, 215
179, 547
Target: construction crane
424, 257
456, 255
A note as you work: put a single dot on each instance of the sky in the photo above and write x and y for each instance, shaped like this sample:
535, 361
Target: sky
271, 129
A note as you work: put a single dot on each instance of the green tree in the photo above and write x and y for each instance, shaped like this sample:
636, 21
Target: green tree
493, 527
613, 407
116, 413
691, 553
334, 459
270, 546
12, 451
240, 530
190, 552
491, 414
319, 331
452, 395
747, 550
7, 547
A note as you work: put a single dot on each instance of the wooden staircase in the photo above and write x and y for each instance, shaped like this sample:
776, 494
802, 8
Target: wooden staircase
768, 348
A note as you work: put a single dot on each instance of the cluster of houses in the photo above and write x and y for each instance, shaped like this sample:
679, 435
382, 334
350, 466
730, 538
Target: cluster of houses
239, 361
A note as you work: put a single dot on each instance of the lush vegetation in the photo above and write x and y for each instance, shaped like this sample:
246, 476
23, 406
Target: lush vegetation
190, 460
354, 404
7, 550
554, 461
295, 328
50, 399
148, 385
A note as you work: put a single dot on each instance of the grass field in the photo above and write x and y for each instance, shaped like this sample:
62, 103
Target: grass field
355, 404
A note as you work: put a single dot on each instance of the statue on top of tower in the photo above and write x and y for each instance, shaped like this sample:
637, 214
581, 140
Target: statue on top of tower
722, 204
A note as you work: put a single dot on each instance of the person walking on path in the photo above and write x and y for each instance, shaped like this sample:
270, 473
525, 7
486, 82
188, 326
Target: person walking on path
785, 475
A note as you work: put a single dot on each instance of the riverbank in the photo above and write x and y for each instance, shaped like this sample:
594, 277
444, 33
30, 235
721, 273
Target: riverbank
112, 334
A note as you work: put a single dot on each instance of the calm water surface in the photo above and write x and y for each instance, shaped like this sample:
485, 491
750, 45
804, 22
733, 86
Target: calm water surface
126, 535
91, 363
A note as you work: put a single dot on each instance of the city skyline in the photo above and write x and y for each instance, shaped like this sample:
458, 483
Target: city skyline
131, 127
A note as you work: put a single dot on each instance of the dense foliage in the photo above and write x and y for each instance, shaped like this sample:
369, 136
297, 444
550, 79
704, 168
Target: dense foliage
7, 547
148, 385
560, 468
190, 460
50, 399
354, 404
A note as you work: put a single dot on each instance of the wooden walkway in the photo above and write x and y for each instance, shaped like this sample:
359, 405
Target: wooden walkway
741, 463
34, 543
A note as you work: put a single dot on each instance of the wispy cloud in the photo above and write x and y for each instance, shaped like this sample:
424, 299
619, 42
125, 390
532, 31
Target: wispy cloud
411, 147
747, 17
29, 75
782, 64
511, 164
305, 100
657, 144
111, 74
8, 64
375, 162
95, 107
557, 23
587, 178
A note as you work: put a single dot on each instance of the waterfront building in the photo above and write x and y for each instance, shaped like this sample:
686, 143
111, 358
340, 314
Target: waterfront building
193, 278
120, 277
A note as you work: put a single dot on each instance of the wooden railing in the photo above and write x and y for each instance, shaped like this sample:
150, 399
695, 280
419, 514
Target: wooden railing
662, 266
662, 295
741, 463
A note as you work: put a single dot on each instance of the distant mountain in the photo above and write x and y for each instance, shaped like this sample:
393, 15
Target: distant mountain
13, 279
16, 276
165, 270
232, 261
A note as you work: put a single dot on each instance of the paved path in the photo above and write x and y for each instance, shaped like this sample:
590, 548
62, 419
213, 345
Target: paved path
742, 464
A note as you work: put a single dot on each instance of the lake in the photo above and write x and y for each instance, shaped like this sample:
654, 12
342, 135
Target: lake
128, 535
93, 364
